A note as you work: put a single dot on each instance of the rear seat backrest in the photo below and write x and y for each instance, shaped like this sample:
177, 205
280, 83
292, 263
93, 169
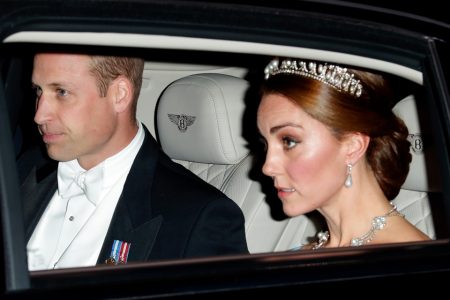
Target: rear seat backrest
199, 125
413, 197
212, 146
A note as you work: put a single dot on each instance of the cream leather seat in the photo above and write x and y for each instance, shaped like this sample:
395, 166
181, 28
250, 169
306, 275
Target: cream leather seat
211, 145
413, 199
199, 124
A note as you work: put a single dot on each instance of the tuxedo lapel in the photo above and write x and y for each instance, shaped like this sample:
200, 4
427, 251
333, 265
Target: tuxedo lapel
141, 238
133, 221
37, 190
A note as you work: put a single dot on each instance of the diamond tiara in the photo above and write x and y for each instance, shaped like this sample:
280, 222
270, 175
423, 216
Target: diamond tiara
335, 76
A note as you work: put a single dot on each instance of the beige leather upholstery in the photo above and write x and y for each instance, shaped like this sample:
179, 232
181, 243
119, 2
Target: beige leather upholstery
196, 112
211, 145
413, 198
213, 148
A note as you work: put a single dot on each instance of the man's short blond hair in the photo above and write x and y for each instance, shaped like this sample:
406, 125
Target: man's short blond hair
107, 68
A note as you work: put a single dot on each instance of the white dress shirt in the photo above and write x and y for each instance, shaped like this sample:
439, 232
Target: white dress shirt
73, 227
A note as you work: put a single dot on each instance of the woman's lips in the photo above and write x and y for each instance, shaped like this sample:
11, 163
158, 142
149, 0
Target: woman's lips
283, 192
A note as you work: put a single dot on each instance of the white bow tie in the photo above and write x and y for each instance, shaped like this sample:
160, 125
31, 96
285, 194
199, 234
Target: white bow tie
75, 181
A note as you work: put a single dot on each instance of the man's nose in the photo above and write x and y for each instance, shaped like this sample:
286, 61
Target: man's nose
43, 110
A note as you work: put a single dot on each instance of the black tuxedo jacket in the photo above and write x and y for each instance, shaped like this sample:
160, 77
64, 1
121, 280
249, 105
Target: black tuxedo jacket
164, 211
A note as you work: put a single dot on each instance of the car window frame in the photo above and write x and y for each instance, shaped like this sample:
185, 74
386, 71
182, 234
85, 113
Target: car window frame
15, 268
231, 272
44, 281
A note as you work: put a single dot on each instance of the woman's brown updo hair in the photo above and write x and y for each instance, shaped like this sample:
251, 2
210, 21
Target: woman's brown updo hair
370, 114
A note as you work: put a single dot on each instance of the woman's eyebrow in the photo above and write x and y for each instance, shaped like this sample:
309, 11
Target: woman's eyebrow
279, 127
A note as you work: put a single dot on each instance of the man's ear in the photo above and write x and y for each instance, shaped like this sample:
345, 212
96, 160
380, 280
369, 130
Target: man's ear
122, 93
356, 144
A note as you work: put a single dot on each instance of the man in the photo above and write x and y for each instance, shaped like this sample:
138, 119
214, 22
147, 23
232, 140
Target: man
113, 197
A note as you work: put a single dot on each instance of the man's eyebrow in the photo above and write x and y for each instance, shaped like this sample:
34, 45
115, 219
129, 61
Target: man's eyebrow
53, 84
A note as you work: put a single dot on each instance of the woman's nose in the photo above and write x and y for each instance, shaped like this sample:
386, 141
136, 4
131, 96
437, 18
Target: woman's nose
269, 167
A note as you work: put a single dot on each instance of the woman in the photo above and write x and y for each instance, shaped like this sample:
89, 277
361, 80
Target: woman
334, 145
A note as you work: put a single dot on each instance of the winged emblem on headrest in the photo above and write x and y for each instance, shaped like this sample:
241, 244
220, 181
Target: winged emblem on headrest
182, 121
416, 142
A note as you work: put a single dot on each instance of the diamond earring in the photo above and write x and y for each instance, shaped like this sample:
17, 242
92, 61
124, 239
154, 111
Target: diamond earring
348, 180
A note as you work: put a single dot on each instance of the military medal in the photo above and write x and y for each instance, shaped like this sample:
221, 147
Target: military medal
119, 253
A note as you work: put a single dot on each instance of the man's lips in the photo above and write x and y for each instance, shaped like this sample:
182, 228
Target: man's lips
51, 137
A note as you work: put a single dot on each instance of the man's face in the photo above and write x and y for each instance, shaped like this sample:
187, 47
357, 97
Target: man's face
74, 120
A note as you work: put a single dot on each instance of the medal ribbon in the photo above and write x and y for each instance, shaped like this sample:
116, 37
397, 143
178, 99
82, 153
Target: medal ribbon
119, 252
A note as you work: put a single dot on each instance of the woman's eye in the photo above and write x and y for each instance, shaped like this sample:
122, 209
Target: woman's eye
263, 143
289, 143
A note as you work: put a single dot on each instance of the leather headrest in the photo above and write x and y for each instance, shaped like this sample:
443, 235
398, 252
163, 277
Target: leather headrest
199, 119
419, 173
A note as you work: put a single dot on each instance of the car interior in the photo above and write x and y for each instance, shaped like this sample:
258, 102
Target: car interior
204, 65
199, 99
202, 110
213, 146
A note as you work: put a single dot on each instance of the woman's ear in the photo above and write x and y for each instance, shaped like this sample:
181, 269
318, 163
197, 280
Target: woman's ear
356, 144
122, 93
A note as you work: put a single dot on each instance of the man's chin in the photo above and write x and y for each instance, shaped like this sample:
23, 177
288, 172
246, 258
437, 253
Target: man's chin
58, 155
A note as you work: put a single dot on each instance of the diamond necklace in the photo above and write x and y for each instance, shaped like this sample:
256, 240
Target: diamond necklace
378, 223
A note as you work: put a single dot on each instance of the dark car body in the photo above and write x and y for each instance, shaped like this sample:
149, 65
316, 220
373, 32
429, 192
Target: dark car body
412, 38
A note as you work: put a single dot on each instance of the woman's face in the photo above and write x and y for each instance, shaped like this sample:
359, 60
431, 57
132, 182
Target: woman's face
306, 162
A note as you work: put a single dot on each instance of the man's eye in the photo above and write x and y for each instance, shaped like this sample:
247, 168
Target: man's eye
61, 92
37, 91
289, 143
